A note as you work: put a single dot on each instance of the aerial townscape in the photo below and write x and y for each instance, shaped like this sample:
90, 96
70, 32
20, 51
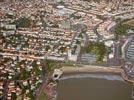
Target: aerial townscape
66, 49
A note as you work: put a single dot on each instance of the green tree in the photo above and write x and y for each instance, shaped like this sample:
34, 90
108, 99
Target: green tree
13, 96
48, 66
98, 49
121, 30
36, 68
31, 95
24, 22
61, 2
47, 47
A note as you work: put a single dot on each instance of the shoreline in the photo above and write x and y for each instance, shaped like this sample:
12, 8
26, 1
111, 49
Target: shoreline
95, 72
111, 77
87, 83
95, 69
121, 74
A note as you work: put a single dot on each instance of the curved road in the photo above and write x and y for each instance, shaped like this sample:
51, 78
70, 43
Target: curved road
100, 37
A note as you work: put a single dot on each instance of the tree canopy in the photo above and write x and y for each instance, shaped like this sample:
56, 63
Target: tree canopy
97, 48
24, 22
48, 65
121, 29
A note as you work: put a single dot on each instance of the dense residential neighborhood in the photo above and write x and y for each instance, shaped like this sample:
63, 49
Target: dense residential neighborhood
37, 36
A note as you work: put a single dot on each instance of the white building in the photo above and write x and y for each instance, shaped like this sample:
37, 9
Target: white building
73, 57
128, 49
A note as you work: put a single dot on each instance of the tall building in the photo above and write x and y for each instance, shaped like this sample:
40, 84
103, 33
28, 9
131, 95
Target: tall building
128, 50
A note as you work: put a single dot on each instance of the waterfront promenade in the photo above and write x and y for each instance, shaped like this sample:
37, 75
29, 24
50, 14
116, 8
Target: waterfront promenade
90, 68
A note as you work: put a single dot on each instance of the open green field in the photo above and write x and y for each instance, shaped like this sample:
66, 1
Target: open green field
42, 96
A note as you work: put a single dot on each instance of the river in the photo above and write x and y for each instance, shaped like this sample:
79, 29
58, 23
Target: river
93, 87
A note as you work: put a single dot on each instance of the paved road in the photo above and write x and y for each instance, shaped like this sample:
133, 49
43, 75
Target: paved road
41, 88
96, 32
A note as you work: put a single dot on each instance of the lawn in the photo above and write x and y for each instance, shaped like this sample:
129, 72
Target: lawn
42, 96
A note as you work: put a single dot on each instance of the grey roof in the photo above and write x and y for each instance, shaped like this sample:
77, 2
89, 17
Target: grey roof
130, 50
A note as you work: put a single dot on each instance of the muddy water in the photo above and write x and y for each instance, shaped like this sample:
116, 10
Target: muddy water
93, 87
